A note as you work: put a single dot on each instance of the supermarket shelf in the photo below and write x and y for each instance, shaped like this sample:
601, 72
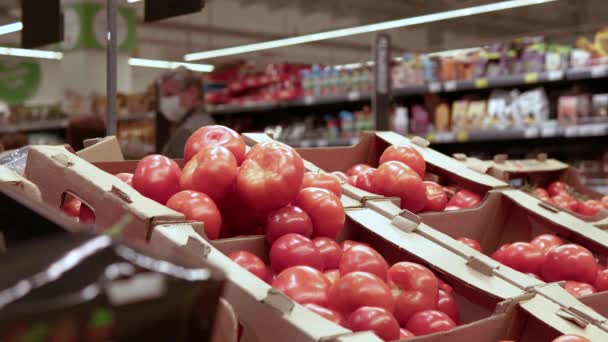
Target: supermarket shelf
47, 125
306, 143
136, 117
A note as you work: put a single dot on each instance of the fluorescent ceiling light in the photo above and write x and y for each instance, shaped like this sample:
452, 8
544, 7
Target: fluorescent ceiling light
133, 1
428, 18
10, 28
7, 51
153, 63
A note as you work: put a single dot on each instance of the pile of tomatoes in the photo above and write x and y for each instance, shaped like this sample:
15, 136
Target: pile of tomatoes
401, 174
352, 285
549, 258
563, 196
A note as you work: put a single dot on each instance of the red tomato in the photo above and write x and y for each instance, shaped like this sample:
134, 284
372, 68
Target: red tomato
157, 177
436, 198
471, 243
346, 244
605, 202
407, 303
601, 280
378, 320
289, 219
358, 289
534, 275
589, 208
294, 250
447, 304
417, 289
358, 169
270, 177
428, 322
239, 218
330, 251
303, 284
329, 314
407, 155
197, 206
546, 242
366, 181
322, 180
523, 257
71, 206
444, 286
569, 262
578, 289
364, 259
498, 255
564, 201
215, 136
352, 180
332, 275
557, 188
325, 211
86, 215
211, 171
396, 179
251, 263
405, 335
465, 199
342, 177
541, 193
126, 177
571, 338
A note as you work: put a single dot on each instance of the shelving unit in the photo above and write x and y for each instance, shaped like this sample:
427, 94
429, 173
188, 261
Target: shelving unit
47, 125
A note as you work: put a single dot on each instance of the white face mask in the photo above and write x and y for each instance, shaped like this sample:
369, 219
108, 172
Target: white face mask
171, 108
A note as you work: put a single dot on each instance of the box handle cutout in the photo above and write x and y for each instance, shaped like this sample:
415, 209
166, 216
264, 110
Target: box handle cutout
121, 194
505, 306
549, 207
277, 300
480, 266
571, 317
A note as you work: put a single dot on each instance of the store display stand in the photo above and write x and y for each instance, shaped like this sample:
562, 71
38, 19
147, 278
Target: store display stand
382, 81
112, 32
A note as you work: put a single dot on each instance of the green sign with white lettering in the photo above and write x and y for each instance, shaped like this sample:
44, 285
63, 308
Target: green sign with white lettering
19, 80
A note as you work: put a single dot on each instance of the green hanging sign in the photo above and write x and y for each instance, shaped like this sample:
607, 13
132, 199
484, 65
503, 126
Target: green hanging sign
19, 80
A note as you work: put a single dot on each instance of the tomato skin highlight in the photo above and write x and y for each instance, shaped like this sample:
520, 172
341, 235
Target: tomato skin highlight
378, 320
215, 135
251, 263
197, 206
322, 180
428, 322
407, 155
325, 211
570, 262
294, 250
395, 179
157, 177
358, 289
289, 219
303, 284
212, 171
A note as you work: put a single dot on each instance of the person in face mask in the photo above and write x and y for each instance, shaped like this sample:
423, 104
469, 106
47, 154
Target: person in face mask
181, 103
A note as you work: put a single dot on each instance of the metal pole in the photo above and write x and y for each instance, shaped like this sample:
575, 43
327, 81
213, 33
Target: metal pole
381, 100
111, 108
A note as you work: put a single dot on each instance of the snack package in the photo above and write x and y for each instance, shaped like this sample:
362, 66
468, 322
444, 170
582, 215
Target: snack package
459, 115
476, 114
566, 110
89, 288
420, 119
600, 106
498, 105
442, 117
532, 108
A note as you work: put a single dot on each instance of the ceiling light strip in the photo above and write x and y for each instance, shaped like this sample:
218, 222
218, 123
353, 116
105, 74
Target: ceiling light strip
17, 52
428, 18
153, 63
10, 28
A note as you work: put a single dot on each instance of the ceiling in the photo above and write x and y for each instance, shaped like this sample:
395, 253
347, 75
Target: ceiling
226, 23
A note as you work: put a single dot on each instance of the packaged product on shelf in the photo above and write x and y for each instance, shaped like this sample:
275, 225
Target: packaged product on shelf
600, 106
498, 105
531, 108
566, 110
400, 123
579, 58
430, 68
476, 114
442, 117
420, 119
460, 109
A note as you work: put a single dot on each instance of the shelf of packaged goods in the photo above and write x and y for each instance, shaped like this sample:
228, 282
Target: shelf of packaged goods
46, 125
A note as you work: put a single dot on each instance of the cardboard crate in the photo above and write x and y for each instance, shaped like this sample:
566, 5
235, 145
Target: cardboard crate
370, 148
540, 171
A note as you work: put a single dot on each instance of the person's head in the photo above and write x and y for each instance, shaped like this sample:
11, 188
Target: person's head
181, 91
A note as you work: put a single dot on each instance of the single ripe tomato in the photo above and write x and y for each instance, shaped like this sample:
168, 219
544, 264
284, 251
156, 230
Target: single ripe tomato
601, 280
523, 257
557, 188
352, 180
378, 320
407, 303
444, 286
470, 242
329, 314
86, 215
322, 180
546, 242
588, 208
197, 206
77, 209
404, 334
211, 171
357, 170
294, 250
303, 284
571, 338
498, 255
465, 199
325, 211
330, 251
569, 262
541, 193
358, 289
407, 155
396, 179
416, 289
215, 136
251, 263
270, 177
364, 259
346, 244
342, 177
436, 198
332, 275
428, 322
289, 219
578, 289
126, 177
564, 201
157, 177
446, 303
366, 181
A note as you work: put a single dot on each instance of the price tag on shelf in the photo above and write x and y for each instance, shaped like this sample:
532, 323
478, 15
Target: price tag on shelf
600, 129
450, 85
598, 71
462, 136
446, 137
531, 132
586, 130
305, 143
481, 83
354, 96
548, 132
531, 77
555, 75
571, 131
434, 87
309, 99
